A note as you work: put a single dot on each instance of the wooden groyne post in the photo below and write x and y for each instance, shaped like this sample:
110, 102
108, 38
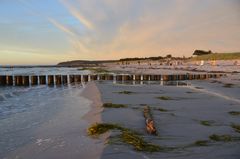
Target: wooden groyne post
50, 80
9, 80
18, 80
3, 80
25, 80
64, 79
58, 79
42, 80
34, 80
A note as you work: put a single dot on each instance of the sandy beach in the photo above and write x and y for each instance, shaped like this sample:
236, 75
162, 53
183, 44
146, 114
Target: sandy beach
156, 67
179, 124
186, 114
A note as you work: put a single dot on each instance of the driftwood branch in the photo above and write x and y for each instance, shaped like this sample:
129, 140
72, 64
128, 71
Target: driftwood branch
149, 121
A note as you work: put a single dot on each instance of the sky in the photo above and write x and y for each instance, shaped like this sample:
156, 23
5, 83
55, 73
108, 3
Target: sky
51, 31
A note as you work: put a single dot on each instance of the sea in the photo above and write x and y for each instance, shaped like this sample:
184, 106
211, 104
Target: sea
36, 115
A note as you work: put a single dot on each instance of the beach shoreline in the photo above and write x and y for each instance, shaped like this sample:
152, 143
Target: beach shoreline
62, 131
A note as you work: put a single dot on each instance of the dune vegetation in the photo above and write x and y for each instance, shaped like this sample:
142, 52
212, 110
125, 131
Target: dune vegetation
218, 56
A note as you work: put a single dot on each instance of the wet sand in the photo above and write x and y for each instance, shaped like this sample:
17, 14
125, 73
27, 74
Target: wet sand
180, 126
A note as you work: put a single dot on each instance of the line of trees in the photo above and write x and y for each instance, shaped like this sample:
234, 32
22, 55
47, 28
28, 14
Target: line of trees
201, 52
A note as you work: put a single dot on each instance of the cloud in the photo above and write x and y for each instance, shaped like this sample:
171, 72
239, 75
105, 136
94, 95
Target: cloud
60, 26
76, 13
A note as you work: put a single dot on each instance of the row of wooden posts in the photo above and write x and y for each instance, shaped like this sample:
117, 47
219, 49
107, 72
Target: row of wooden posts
18, 80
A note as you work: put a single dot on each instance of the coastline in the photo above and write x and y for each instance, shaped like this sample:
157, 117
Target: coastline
62, 132
92, 93
94, 115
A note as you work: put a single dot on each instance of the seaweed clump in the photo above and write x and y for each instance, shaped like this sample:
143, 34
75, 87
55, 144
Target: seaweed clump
224, 138
162, 110
234, 113
206, 122
201, 143
228, 85
127, 136
125, 92
98, 129
236, 127
111, 105
164, 98
199, 87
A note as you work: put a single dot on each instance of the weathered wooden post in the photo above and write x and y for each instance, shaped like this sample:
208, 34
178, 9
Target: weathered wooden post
137, 77
198, 76
127, 77
141, 77
119, 77
18, 80
50, 80
206, 76
58, 79
191, 76
110, 77
71, 79
64, 79
146, 77
42, 80
3, 80
165, 77
210, 75
9, 80
34, 80
175, 77
181, 77
185, 77
169, 78
202, 76
155, 77
218, 75
25, 81
85, 78
89, 78
77, 78
134, 77
102, 77
94, 77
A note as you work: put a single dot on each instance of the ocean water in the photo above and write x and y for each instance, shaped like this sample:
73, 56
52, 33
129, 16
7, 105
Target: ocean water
42, 71
39, 114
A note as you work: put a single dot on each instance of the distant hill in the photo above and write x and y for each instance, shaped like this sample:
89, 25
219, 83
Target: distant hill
218, 56
86, 63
